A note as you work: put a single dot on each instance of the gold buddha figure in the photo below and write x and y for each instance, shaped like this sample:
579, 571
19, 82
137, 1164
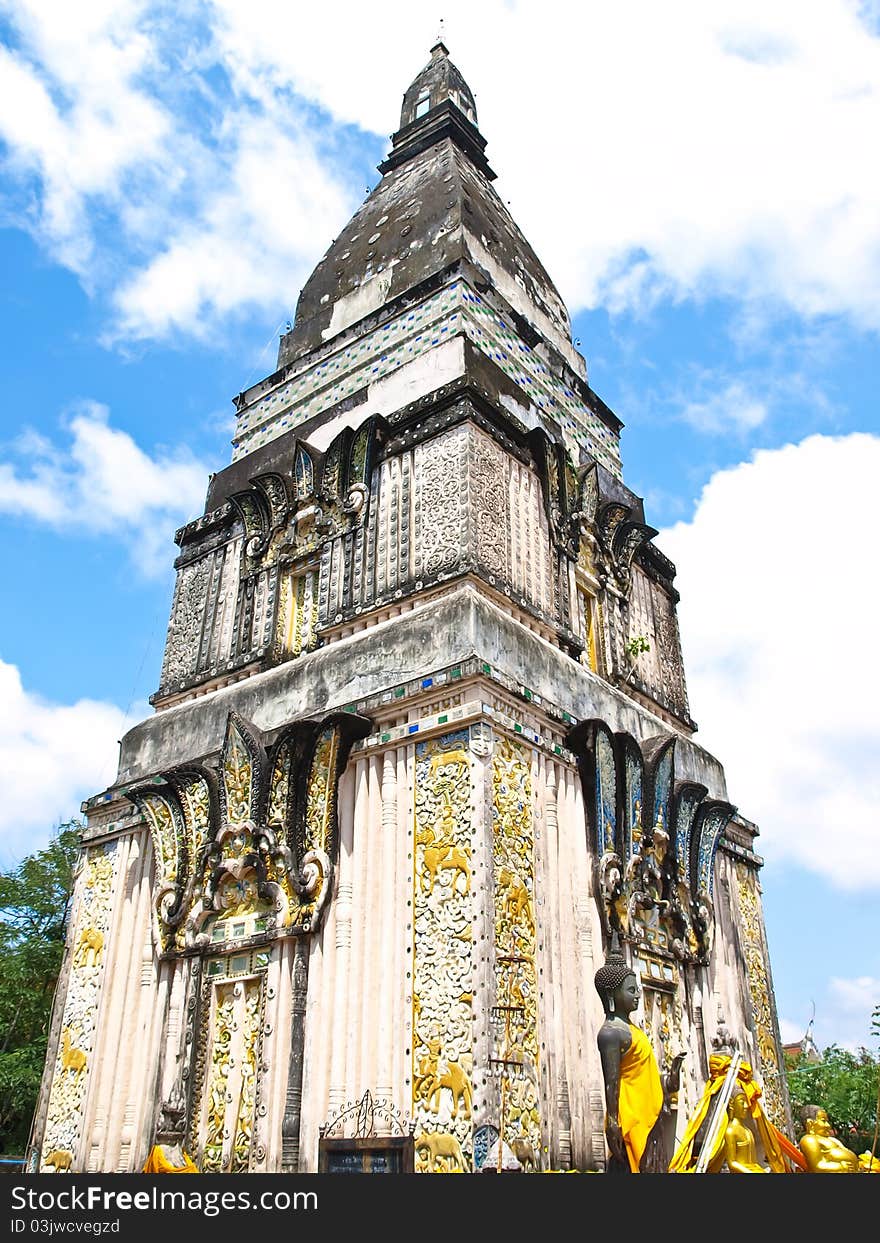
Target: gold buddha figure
823, 1151
740, 1146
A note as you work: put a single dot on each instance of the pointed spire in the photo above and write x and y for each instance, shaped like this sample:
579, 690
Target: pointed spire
438, 104
439, 82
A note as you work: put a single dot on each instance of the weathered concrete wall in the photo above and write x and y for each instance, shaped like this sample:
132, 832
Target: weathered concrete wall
430, 637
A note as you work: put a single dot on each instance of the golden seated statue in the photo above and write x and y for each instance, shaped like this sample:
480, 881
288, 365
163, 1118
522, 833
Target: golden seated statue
739, 1148
823, 1151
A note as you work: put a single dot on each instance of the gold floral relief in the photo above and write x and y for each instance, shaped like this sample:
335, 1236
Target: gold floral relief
230, 1078
516, 1038
321, 793
78, 1031
759, 990
442, 1065
297, 613
162, 831
197, 813
279, 789
237, 777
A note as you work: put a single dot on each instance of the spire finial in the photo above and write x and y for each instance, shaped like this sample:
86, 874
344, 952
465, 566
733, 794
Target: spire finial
439, 49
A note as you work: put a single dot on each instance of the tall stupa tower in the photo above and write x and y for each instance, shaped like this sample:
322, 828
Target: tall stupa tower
421, 744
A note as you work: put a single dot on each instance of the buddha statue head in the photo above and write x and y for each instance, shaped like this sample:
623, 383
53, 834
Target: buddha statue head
617, 984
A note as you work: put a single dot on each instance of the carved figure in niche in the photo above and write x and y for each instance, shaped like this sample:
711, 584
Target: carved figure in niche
704, 925
238, 896
431, 1080
517, 901
439, 1153
72, 1059
610, 877
684, 942
89, 948
824, 1152
739, 1152
168, 1156
60, 1159
637, 1099
645, 872
442, 854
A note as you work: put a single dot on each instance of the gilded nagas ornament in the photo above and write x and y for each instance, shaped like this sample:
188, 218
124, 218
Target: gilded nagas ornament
253, 840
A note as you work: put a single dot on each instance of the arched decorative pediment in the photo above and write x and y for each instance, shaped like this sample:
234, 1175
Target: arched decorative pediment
249, 852
655, 853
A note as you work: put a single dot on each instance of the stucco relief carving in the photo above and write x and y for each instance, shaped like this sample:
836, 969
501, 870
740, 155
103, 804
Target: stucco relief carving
489, 469
70, 1078
249, 850
442, 1059
516, 978
655, 841
759, 991
231, 1076
185, 628
440, 475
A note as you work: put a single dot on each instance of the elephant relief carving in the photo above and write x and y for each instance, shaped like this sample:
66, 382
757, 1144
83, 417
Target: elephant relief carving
525, 1154
438, 1153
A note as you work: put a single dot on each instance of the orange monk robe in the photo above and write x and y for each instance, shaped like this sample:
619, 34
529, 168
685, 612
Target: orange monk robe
157, 1163
641, 1095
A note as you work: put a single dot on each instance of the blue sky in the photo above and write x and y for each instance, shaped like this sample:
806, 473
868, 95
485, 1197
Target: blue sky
701, 181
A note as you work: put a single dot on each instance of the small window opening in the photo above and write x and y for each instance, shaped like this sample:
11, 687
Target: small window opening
423, 105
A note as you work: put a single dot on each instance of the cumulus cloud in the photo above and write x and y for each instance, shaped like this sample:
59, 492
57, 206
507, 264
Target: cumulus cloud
778, 596
854, 1001
843, 1010
733, 408
102, 482
649, 152
75, 113
252, 245
52, 756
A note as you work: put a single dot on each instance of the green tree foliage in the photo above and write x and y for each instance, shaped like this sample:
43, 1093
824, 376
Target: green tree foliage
34, 905
845, 1084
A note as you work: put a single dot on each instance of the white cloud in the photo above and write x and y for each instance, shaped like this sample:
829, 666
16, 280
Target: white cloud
731, 409
853, 1004
778, 598
103, 483
253, 243
789, 1031
648, 151
843, 1013
52, 756
73, 113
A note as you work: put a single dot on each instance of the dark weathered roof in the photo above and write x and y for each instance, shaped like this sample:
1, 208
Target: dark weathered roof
433, 207
439, 80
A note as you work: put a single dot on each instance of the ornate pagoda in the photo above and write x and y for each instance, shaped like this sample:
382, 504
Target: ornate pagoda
421, 743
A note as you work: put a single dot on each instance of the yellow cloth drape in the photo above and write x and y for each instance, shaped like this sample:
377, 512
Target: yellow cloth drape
641, 1095
778, 1150
157, 1163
